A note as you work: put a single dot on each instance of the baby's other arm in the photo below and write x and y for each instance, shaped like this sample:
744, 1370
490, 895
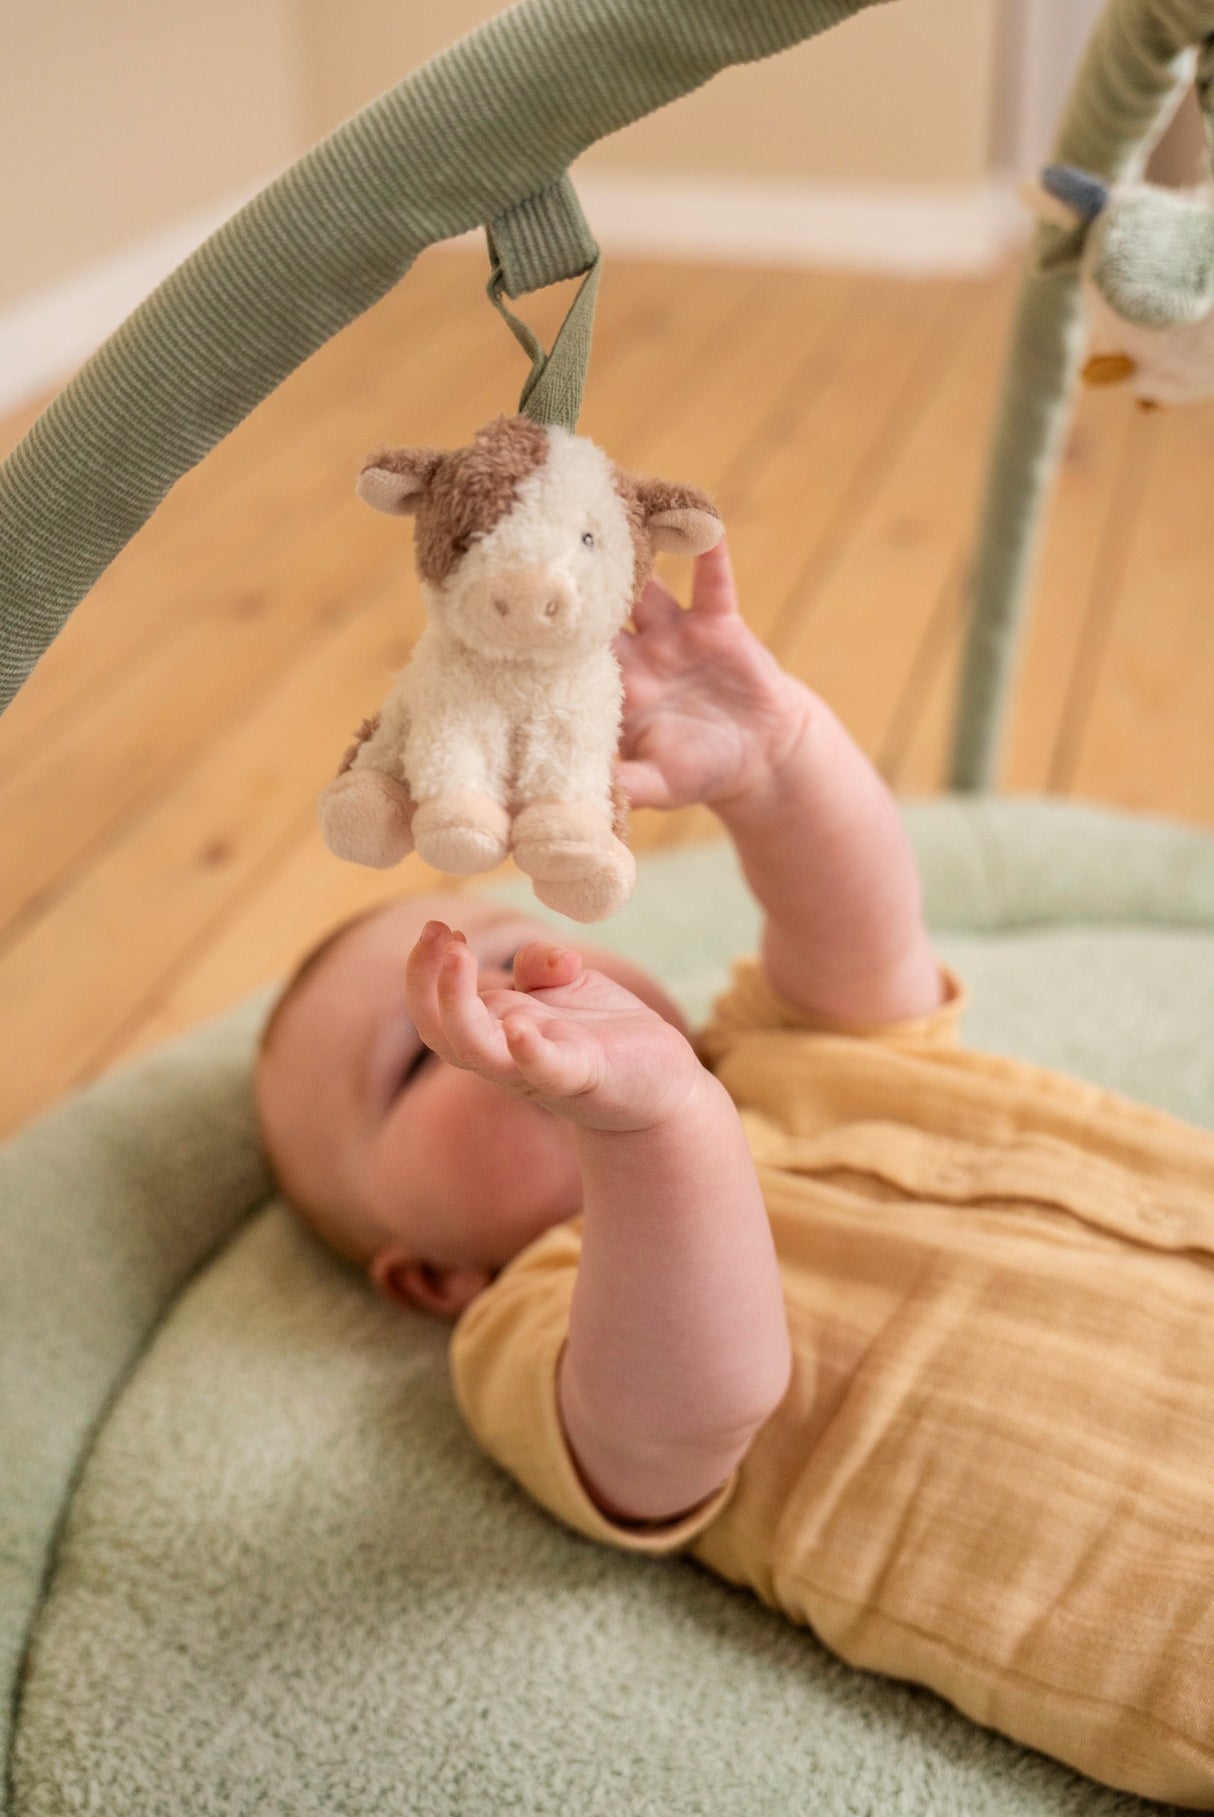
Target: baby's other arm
824, 850
710, 716
678, 1345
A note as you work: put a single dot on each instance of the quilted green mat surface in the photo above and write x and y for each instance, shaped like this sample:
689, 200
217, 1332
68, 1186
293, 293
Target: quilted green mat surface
260, 1566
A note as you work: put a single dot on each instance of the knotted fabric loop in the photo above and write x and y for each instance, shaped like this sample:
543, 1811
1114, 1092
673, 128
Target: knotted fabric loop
543, 240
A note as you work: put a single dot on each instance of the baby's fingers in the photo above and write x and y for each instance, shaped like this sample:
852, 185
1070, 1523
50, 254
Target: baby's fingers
421, 982
714, 593
656, 606
557, 1059
471, 1036
644, 784
541, 965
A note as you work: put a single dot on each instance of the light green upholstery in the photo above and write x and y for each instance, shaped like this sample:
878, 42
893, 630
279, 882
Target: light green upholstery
286, 1582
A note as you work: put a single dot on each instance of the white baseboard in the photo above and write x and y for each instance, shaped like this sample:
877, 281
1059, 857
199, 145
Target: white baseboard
45, 336
908, 229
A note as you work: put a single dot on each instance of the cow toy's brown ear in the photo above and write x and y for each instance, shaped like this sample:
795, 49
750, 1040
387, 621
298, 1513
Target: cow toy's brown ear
396, 480
679, 518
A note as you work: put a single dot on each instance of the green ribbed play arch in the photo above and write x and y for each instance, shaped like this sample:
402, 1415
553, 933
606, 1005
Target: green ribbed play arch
1134, 72
483, 134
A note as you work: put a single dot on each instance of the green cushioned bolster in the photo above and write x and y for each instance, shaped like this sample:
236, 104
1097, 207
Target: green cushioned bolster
287, 1581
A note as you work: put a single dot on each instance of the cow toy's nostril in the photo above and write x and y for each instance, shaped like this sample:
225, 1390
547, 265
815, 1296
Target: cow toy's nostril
501, 607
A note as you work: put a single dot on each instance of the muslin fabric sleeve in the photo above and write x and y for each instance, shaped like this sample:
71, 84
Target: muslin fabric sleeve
750, 1006
504, 1357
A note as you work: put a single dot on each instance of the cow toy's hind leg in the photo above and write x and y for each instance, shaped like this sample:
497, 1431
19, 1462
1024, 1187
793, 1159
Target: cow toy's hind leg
366, 813
573, 858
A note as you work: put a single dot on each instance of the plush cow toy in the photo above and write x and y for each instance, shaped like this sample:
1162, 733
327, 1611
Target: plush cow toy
501, 733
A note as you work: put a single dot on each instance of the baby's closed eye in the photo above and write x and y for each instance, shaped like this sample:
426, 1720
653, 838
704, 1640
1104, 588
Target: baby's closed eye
411, 1068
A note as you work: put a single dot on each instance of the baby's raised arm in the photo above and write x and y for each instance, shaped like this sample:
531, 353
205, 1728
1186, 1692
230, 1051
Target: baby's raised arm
710, 716
678, 1347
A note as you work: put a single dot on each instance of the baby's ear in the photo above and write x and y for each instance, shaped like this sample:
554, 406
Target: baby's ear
680, 518
396, 480
445, 1292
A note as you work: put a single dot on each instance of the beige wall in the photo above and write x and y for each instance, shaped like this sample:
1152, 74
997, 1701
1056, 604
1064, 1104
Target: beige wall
902, 94
117, 117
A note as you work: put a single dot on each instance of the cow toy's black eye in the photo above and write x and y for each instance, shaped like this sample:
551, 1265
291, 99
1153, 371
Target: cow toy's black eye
588, 538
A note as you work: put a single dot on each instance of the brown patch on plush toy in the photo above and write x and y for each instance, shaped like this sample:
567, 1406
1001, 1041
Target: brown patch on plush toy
642, 549
366, 730
473, 489
660, 517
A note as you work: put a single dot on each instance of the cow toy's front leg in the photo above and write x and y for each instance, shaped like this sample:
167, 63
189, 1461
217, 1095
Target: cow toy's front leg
563, 835
456, 760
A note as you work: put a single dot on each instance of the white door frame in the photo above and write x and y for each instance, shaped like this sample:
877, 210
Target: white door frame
1043, 42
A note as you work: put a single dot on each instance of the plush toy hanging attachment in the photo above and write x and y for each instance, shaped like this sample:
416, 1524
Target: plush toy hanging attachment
1146, 257
500, 736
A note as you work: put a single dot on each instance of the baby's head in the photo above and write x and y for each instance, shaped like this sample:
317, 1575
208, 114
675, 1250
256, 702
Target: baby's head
426, 1175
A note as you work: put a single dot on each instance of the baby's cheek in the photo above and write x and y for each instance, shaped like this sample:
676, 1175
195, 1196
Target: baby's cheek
500, 1170
520, 1182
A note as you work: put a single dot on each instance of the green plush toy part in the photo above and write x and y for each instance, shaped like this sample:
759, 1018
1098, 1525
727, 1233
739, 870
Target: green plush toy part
1147, 270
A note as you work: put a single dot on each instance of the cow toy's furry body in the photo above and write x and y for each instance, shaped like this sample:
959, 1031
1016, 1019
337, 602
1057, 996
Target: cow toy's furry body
500, 736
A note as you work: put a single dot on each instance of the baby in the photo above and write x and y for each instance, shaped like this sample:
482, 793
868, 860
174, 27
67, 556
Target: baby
853, 1316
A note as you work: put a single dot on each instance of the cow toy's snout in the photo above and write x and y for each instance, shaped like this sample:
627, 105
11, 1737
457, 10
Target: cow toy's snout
531, 602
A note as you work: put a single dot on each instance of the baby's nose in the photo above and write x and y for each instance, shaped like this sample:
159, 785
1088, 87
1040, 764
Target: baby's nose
534, 597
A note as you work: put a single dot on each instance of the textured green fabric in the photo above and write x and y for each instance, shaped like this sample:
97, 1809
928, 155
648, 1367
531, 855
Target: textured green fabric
1133, 71
543, 240
488, 123
288, 1583
553, 389
107, 1207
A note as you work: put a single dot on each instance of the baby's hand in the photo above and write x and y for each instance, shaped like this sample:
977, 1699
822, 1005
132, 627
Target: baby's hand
568, 1038
708, 711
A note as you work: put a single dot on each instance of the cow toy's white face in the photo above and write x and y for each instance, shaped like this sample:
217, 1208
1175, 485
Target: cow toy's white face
555, 572
531, 544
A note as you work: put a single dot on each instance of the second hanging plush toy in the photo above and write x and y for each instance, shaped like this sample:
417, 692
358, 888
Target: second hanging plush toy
500, 735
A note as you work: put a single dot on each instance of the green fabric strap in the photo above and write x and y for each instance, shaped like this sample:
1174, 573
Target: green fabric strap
1205, 91
542, 241
495, 119
1134, 71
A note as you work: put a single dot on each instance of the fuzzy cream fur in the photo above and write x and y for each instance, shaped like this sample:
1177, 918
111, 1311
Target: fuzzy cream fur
501, 734
1165, 365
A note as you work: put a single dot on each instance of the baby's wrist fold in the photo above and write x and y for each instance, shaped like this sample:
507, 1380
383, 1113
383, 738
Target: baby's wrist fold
692, 1099
787, 752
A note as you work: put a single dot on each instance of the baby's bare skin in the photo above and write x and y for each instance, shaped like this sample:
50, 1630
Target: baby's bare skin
567, 1083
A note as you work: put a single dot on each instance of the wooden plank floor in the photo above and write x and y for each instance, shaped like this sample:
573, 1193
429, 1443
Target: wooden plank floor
159, 772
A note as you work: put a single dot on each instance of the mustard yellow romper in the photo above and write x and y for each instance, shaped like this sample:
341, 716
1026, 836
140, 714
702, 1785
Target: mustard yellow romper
993, 1472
